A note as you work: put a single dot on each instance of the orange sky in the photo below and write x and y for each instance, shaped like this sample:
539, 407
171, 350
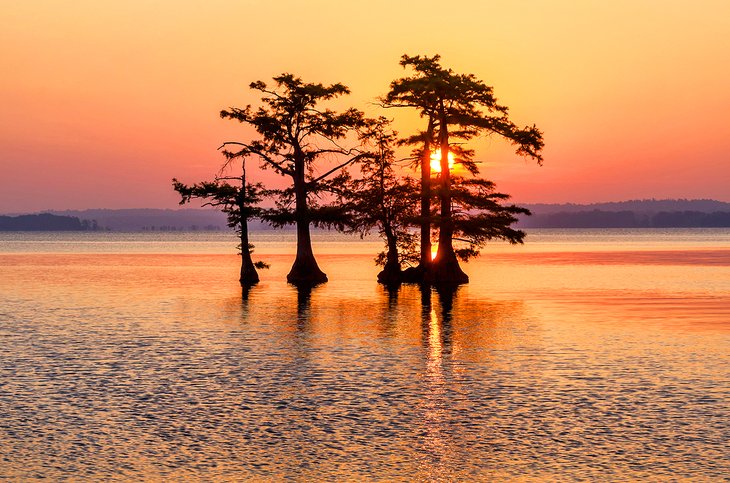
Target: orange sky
104, 102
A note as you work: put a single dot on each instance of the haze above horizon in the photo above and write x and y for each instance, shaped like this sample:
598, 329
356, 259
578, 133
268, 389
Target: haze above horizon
103, 104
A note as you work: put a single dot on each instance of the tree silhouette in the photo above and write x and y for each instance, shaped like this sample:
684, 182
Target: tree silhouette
296, 137
239, 203
457, 108
414, 92
382, 201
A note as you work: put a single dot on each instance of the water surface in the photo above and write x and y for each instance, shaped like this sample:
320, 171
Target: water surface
585, 354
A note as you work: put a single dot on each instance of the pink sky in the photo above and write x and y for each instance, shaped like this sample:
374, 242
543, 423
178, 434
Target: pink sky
104, 102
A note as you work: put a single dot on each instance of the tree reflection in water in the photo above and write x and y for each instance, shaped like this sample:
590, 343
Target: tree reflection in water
447, 320
345, 358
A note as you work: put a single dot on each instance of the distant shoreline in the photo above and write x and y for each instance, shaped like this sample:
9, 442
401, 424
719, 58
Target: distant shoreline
626, 214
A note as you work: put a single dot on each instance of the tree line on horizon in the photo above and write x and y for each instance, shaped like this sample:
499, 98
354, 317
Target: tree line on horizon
628, 219
47, 222
296, 136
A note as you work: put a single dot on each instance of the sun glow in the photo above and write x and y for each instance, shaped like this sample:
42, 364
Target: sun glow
436, 161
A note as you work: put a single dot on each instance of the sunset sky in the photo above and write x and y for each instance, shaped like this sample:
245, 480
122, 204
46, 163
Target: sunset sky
104, 102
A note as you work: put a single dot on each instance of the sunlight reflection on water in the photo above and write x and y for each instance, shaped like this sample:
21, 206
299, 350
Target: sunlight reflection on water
158, 366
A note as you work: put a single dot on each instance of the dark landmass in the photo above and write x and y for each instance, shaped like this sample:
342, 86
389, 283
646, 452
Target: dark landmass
624, 214
149, 219
46, 222
153, 219
630, 214
638, 206
627, 219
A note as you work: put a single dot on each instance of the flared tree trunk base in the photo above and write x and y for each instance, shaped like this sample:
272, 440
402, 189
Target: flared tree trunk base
391, 275
414, 275
443, 273
446, 272
249, 275
249, 279
306, 273
436, 275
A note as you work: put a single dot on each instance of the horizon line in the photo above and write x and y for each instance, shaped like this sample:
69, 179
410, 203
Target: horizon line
574, 203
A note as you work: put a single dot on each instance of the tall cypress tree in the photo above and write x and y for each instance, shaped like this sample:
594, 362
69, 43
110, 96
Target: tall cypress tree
296, 137
457, 107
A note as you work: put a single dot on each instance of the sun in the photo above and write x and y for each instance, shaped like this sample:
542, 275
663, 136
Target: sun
436, 161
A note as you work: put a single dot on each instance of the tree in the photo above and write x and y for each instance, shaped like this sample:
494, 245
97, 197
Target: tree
295, 138
415, 92
382, 201
239, 203
421, 156
457, 108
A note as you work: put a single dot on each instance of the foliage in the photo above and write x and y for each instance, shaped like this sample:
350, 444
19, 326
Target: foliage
239, 204
458, 108
479, 215
461, 101
295, 136
380, 200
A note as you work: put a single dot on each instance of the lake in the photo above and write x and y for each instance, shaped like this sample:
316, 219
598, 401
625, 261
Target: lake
582, 355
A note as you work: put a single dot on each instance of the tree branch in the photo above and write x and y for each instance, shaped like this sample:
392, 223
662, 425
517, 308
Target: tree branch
349, 161
277, 166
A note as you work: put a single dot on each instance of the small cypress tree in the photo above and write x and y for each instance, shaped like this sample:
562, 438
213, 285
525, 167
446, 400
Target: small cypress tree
380, 200
239, 203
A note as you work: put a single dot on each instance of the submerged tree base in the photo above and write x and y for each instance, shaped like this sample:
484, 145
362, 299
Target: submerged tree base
306, 274
249, 275
391, 275
414, 275
306, 280
249, 279
447, 272
435, 275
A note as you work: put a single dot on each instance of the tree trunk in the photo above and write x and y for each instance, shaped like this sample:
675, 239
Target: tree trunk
445, 269
391, 273
425, 260
305, 271
421, 273
249, 275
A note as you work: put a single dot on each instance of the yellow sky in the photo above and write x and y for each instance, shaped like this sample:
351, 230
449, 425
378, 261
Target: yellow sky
103, 102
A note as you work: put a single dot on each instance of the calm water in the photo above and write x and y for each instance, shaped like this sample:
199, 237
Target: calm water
584, 355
